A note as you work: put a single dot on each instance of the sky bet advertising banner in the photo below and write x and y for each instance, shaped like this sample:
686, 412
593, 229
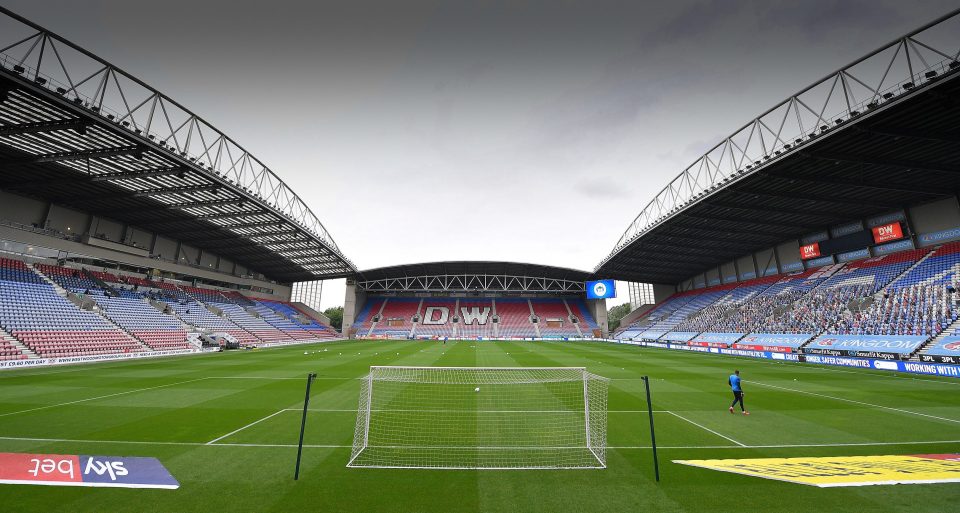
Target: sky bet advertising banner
74, 470
602, 289
868, 346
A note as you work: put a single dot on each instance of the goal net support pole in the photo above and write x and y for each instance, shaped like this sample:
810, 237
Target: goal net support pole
481, 418
653, 434
303, 424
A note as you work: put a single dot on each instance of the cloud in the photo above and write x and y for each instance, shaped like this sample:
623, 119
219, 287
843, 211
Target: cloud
602, 188
691, 21
819, 18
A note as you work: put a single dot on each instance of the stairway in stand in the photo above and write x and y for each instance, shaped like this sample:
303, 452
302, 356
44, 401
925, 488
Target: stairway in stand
12, 341
952, 330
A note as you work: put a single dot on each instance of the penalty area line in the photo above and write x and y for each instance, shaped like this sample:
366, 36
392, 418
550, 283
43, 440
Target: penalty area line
900, 410
100, 397
354, 410
274, 414
281, 378
725, 437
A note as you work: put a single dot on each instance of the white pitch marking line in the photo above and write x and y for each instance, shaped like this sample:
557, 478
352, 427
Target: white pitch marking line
706, 428
624, 447
274, 414
850, 444
858, 402
100, 397
277, 378
353, 410
75, 441
314, 446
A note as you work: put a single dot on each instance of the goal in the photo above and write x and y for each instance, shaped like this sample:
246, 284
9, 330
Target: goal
481, 418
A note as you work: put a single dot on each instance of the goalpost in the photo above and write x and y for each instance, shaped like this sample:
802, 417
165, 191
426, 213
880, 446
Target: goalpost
481, 418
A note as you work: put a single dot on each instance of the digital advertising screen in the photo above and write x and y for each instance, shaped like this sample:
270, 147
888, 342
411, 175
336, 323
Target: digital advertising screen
810, 251
601, 289
887, 232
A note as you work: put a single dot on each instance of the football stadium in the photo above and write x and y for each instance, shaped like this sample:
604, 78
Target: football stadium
163, 346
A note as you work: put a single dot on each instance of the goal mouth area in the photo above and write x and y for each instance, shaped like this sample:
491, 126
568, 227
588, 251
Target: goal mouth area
476, 375
478, 458
481, 418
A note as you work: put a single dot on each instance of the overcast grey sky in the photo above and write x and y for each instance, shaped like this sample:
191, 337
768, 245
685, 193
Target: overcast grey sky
515, 130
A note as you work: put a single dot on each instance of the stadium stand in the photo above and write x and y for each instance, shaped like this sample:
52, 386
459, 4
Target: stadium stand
108, 313
474, 318
689, 304
366, 315
727, 306
397, 317
131, 312
662, 311
292, 321
253, 324
554, 318
752, 315
910, 293
8, 351
818, 310
942, 267
34, 314
587, 323
514, 315
824, 309
127, 309
919, 303
70, 279
439, 311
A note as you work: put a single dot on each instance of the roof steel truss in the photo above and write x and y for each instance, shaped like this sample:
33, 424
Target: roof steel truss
61, 105
473, 283
884, 76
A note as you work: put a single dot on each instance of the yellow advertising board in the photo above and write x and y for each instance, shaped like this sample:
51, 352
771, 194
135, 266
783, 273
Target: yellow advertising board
845, 470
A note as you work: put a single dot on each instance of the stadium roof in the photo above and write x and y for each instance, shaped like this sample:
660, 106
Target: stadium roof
473, 276
798, 169
476, 267
80, 132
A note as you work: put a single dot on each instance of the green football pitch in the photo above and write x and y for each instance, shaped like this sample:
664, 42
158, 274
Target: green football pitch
226, 426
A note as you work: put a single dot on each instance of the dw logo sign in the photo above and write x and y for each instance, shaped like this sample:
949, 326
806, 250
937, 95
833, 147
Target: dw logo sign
438, 315
887, 232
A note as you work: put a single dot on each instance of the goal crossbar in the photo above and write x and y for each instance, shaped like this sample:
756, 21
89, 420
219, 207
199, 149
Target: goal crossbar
481, 418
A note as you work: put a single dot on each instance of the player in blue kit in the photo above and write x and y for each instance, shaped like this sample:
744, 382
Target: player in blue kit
734, 382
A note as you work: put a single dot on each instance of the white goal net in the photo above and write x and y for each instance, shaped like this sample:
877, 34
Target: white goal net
481, 418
